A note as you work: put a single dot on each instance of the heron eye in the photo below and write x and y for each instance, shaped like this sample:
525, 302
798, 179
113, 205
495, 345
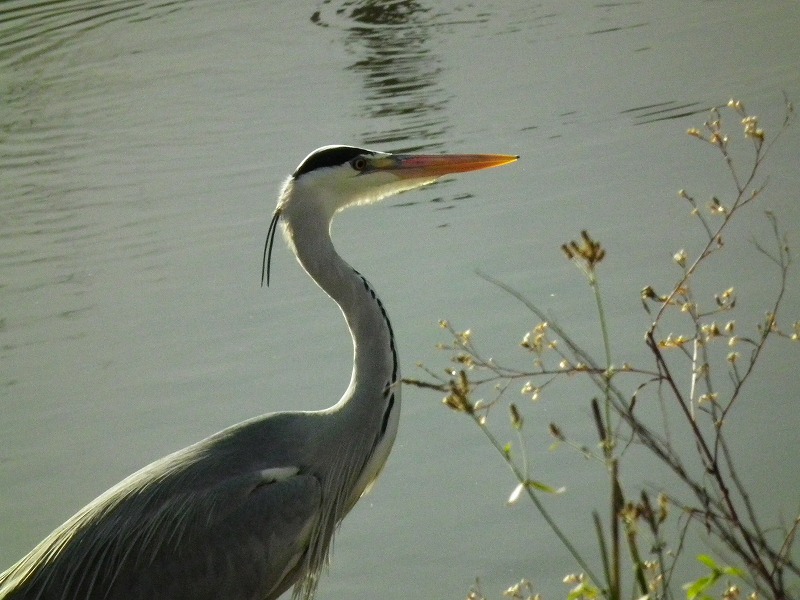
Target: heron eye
359, 164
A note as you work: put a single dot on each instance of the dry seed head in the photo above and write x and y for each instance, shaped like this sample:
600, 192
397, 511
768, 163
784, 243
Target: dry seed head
588, 252
556, 432
710, 330
663, 507
732, 357
515, 591
707, 398
458, 403
680, 257
453, 402
475, 592
726, 299
694, 132
534, 341
719, 139
530, 390
732, 593
629, 514
460, 388
673, 342
716, 208
516, 418
648, 293
465, 359
656, 583
770, 322
526, 341
751, 128
736, 105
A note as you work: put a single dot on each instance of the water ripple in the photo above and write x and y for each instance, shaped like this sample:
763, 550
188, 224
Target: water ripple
32, 30
665, 111
56, 205
398, 66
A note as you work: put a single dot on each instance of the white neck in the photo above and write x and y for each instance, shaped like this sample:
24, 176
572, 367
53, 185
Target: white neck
371, 404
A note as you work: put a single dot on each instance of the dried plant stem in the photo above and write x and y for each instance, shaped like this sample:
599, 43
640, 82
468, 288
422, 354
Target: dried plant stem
719, 501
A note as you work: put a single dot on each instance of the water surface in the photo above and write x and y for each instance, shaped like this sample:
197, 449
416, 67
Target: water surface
141, 148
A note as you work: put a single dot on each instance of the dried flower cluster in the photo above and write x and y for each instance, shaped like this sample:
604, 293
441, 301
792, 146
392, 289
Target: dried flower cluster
697, 376
713, 128
587, 252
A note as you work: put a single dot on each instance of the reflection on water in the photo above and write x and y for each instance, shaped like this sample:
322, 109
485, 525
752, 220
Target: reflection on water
665, 111
397, 48
403, 98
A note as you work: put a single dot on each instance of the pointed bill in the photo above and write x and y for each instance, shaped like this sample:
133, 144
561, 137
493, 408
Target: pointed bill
413, 166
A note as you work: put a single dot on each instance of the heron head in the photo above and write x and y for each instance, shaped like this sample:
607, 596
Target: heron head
336, 177
333, 178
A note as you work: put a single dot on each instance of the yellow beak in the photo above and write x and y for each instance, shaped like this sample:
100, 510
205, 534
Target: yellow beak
413, 166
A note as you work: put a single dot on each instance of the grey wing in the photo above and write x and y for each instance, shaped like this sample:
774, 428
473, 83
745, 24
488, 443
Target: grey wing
243, 538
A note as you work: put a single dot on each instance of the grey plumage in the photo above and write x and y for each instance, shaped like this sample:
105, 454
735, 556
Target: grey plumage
251, 511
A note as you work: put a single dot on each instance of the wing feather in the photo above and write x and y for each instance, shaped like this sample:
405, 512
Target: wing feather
244, 537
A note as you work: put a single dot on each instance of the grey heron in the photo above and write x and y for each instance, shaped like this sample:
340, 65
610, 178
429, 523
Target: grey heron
251, 511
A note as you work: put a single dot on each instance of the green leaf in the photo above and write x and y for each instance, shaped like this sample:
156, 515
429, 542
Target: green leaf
543, 487
697, 588
733, 572
507, 450
582, 591
709, 562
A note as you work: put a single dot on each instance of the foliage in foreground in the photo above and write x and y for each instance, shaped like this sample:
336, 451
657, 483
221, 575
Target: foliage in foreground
695, 378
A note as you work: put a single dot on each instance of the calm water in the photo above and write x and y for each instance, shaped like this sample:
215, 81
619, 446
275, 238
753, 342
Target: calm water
141, 148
